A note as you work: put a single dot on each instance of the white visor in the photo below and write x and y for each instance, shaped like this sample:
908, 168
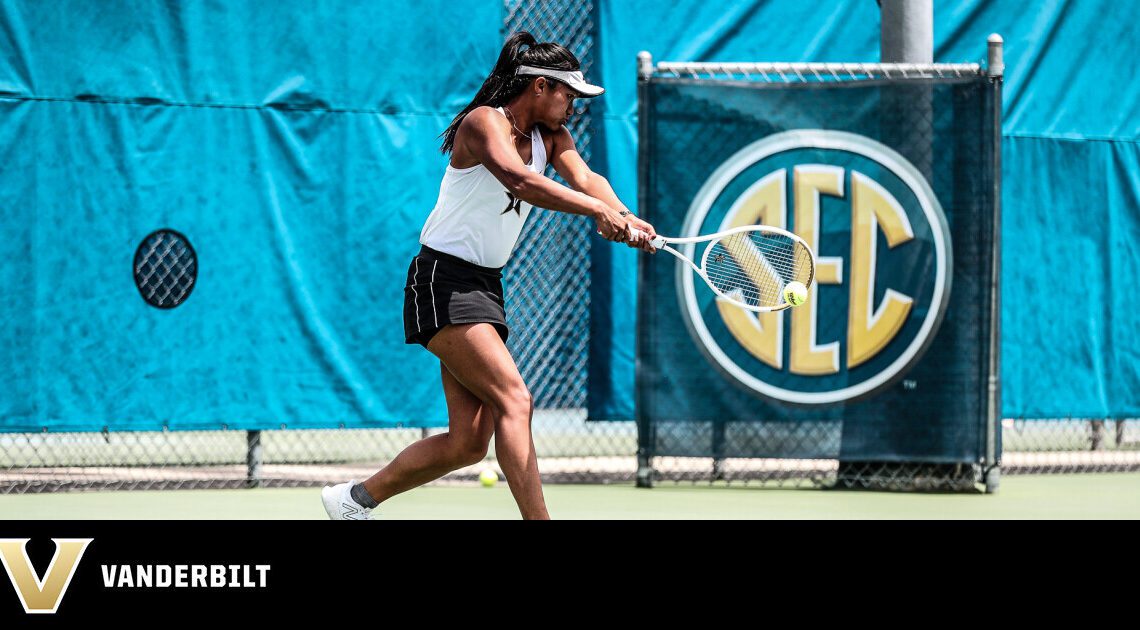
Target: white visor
574, 79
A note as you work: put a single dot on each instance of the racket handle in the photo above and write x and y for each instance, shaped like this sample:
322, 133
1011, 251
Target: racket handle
658, 242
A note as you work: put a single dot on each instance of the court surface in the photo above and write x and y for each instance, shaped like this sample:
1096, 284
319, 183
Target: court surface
1086, 496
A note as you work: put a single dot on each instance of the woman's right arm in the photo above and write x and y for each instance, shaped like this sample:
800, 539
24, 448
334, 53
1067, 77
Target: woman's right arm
483, 135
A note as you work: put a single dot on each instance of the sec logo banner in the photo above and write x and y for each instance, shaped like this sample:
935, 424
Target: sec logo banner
882, 275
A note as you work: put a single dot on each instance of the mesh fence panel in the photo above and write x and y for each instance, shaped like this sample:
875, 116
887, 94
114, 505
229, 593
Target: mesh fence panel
548, 304
165, 269
1070, 445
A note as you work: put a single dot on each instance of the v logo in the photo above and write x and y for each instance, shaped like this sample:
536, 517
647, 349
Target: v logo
41, 595
515, 204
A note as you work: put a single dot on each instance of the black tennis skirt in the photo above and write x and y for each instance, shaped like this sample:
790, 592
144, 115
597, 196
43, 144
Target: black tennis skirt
443, 289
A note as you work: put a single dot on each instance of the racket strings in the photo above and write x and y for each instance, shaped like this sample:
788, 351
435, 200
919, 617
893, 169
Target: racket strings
754, 267
748, 279
801, 265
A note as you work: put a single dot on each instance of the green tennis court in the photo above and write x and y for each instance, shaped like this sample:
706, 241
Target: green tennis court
1090, 496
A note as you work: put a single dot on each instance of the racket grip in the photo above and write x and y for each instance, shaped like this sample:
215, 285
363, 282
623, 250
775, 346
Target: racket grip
657, 242
635, 233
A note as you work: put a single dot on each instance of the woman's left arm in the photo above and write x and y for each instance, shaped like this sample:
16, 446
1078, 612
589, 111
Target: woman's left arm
577, 173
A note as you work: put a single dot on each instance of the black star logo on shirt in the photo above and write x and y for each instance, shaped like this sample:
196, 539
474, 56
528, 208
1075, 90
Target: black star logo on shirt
515, 204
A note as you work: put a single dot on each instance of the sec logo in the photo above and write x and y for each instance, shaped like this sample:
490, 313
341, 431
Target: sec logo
883, 267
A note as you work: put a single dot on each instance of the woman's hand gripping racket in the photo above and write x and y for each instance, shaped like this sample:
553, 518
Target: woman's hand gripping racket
755, 267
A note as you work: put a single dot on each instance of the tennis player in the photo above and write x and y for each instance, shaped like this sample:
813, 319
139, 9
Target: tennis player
500, 145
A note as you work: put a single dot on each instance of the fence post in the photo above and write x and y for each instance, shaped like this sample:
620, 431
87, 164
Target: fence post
995, 63
253, 459
644, 435
995, 67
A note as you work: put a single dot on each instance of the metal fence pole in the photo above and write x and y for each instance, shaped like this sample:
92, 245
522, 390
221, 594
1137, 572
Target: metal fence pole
995, 66
906, 37
253, 459
996, 58
644, 439
907, 31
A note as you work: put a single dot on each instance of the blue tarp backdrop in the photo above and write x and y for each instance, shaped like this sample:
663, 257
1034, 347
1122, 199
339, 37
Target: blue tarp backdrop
266, 135
296, 149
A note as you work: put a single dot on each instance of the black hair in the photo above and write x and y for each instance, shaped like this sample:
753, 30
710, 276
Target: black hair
503, 84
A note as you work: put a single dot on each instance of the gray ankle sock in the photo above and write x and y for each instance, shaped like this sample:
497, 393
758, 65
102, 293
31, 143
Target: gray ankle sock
361, 496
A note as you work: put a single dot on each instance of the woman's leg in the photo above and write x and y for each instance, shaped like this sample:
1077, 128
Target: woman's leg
469, 425
477, 357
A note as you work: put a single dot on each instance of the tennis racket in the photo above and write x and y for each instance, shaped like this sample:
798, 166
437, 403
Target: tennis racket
748, 266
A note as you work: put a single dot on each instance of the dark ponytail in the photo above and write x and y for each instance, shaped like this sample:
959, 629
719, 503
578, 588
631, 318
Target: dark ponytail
503, 84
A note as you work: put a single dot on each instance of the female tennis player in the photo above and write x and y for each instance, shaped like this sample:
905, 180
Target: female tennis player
453, 302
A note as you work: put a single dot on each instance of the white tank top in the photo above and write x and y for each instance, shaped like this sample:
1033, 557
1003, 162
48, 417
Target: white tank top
475, 218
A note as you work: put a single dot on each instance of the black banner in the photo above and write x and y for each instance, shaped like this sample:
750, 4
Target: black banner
892, 185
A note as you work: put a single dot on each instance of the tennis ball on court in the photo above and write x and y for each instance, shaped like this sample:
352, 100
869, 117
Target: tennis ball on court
795, 293
488, 477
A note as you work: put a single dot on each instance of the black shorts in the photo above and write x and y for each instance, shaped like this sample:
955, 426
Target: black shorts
443, 289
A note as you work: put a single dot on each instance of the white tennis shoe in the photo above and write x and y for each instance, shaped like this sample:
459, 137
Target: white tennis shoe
339, 503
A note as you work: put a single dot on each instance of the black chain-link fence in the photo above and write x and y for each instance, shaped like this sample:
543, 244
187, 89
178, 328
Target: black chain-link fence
548, 300
166, 268
1070, 445
548, 297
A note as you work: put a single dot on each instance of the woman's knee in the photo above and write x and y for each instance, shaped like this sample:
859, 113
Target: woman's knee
519, 401
516, 405
472, 450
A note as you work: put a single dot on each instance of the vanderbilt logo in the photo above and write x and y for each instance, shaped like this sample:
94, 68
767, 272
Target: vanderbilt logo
42, 595
882, 273
514, 204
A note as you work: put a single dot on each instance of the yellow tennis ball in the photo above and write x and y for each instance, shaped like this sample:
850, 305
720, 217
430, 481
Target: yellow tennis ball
795, 293
488, 477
